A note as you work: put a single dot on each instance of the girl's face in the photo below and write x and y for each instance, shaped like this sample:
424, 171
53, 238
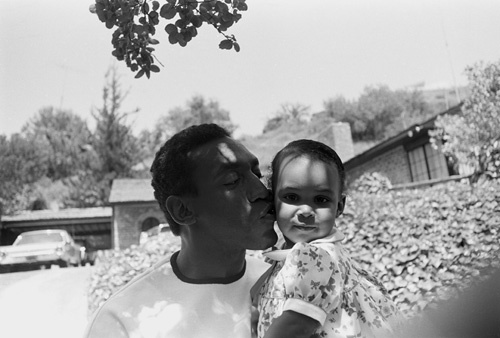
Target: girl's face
307, 198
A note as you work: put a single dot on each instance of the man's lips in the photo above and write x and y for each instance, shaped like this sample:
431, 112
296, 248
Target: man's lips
268, 212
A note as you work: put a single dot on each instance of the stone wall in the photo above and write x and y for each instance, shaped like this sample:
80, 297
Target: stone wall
127, 221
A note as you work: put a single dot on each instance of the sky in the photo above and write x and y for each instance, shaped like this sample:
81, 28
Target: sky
56, 53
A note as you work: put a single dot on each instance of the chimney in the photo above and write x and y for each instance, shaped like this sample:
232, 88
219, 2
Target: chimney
338, 136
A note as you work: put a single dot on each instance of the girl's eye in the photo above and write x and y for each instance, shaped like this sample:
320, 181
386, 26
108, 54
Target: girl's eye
291, 197
321, 199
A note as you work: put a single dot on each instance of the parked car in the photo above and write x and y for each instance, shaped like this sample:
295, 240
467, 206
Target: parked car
154, 231
41, 249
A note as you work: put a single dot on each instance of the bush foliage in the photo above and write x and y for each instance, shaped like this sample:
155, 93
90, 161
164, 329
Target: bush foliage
425, 245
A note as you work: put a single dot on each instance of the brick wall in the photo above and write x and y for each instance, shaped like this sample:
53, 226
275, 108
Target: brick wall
393, 164
127, 221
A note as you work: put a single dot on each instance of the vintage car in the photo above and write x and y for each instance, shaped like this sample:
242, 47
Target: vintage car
41, 249
154, 231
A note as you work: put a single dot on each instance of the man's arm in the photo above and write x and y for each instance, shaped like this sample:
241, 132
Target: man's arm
292, 324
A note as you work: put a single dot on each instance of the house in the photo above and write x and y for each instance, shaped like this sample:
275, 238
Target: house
406, 158
88, 226
134, 210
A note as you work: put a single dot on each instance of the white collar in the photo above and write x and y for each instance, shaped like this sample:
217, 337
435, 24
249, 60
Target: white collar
280, 254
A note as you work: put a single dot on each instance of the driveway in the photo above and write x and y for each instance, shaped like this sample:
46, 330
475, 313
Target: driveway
44, 303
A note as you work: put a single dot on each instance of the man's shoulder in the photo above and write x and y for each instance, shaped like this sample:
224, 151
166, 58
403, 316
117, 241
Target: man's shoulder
140, 291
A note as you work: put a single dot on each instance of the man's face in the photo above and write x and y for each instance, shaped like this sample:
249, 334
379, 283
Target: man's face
232, 205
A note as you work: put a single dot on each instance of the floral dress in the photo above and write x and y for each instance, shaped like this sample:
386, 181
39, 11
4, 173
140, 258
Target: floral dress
320, 280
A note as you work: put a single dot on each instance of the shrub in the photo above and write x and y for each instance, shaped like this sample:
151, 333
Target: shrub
371, 183
425, 245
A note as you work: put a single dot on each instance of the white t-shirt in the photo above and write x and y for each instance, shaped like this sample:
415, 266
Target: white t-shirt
163, 303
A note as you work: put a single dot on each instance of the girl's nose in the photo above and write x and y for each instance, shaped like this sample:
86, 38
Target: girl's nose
306, 211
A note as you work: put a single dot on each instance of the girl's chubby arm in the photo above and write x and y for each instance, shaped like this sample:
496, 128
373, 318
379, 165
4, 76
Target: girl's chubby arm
292, 324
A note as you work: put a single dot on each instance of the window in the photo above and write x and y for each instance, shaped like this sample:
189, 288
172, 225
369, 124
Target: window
427, 163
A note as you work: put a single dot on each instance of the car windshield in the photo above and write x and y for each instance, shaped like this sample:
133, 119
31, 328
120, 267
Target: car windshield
39, 238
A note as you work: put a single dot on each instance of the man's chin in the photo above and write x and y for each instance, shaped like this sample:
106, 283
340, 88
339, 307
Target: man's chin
266, 241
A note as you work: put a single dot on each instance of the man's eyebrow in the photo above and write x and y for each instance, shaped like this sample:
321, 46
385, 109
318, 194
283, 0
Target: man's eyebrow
252, 163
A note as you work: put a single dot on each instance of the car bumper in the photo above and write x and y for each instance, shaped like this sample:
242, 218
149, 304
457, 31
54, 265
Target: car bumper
35, 259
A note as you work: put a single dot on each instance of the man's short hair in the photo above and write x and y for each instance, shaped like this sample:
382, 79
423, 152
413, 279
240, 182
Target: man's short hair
172, 168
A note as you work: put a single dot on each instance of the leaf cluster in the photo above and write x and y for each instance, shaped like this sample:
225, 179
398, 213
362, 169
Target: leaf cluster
135, 23
425, 245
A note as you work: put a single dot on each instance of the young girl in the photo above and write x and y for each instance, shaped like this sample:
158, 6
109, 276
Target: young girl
314, 289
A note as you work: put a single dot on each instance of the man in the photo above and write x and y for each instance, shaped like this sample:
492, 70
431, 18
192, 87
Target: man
208, 185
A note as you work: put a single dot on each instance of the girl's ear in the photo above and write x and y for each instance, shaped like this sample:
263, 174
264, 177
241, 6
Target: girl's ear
341, 205
179, 210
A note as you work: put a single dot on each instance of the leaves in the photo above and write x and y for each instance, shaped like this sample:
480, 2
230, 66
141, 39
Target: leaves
168, 11
422, 257
135, 23
226, 44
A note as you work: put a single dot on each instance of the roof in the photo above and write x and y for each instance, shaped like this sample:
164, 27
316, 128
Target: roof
401, 138
73, 213
125, 190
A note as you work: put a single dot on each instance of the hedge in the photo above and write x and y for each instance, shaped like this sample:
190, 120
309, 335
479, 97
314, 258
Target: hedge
425, 245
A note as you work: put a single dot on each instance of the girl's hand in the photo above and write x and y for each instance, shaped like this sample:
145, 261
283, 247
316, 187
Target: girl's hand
292, 324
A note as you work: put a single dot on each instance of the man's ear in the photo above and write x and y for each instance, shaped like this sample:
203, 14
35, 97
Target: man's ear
179, 210
341, 205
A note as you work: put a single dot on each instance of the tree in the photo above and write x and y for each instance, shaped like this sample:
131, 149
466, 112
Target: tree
136, 21
289, 113
23, 162
378, 113
415, 110
197, 111
338, 109
378, 107
114, 142
473, 137
62, 137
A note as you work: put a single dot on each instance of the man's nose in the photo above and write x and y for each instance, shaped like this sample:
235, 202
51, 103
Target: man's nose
258, 190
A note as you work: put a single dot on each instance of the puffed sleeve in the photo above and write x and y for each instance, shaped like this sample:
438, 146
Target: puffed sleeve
313, 281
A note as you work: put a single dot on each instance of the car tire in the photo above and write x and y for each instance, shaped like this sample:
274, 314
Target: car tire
63, 264
4, 269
